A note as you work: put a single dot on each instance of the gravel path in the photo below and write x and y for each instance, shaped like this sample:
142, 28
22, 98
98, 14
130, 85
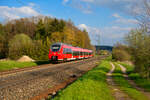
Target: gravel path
117, 93
27, 84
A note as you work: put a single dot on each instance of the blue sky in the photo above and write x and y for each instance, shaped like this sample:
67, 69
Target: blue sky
107, 20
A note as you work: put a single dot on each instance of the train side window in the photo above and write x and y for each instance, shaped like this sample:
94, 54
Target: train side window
69, 51
64, 51
74, 53
77, 53
86, 53
82, 54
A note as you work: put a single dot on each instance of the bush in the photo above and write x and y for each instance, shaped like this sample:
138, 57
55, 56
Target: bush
121, 55
104, 52
19, 45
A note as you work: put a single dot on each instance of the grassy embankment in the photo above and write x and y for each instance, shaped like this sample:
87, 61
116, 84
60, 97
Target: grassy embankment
91, 86
8, 65
125, 86
141, 82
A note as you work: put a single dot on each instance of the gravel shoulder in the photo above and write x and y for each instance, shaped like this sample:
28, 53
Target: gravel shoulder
27, 84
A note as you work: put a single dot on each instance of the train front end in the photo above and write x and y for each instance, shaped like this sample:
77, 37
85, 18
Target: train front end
55, 52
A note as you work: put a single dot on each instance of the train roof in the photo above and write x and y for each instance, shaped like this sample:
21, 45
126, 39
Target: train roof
74, 48
58, 43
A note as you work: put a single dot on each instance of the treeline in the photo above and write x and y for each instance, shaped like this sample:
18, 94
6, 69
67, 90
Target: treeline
137, 43
137, 50
33, 37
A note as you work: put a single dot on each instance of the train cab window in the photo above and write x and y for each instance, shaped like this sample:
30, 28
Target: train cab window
64, 50
55, 48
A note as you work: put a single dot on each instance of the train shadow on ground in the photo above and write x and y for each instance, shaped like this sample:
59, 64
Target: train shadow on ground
43, 62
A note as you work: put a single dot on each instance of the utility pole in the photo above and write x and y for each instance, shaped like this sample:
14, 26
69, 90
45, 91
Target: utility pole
99, 39
98, 42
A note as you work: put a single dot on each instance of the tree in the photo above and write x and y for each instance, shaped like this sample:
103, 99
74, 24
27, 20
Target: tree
40, 31
56, 26
2, 47
20, 45
143, 15
138, 41
1, 29
121, 52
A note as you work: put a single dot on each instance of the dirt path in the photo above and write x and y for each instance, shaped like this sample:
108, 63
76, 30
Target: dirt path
123, 69
118, 94
112, 70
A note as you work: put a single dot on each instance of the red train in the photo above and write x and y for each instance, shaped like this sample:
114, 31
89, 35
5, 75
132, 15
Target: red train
64, 52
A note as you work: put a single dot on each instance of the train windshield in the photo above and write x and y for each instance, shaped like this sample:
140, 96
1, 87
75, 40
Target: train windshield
55, 48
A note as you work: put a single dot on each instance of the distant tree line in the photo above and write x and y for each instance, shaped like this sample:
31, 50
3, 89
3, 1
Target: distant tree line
33, 37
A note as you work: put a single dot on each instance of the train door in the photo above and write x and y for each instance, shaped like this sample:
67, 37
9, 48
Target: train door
64, 54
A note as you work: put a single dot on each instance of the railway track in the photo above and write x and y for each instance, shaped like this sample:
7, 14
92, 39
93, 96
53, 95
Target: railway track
28, 83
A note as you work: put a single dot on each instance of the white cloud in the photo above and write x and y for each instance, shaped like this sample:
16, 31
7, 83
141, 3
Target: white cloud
15, 13
115, 31
126, 6
89, 29
83, 7
83, 26
90, 1
124, 21
32, 4
65, 1
108, 35
116, 15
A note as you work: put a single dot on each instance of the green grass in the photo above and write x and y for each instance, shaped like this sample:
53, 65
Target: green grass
130, 68
109, 58
126, 87
117, 69
8, 65
91, 86
141, 82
